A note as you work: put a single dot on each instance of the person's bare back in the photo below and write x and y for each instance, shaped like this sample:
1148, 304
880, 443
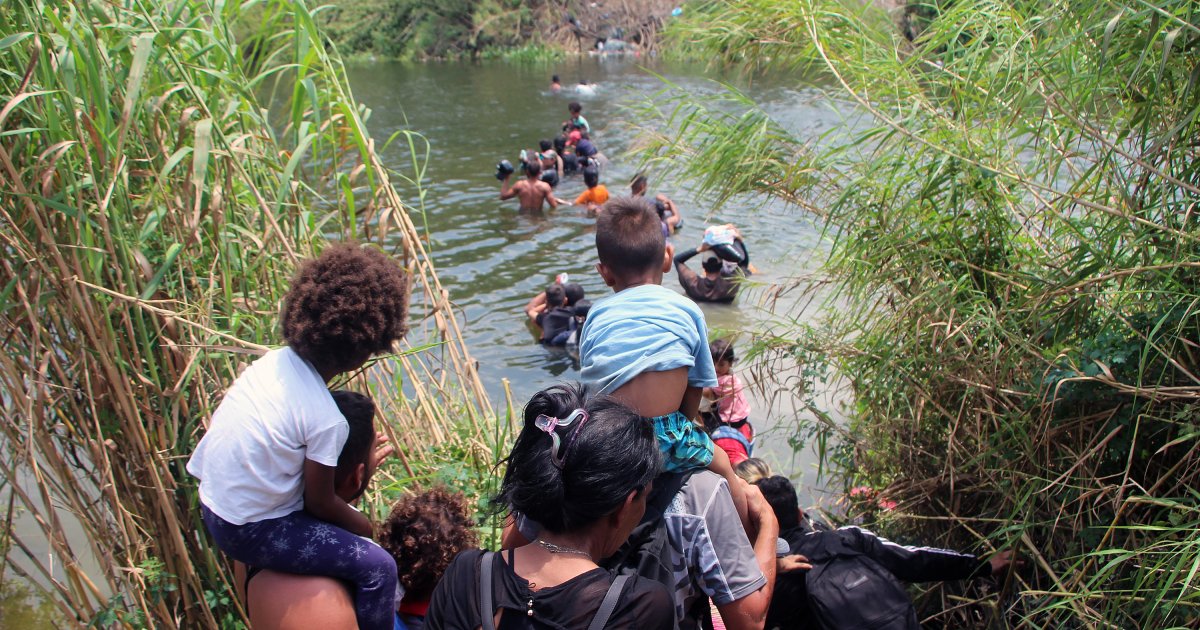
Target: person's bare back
531, 192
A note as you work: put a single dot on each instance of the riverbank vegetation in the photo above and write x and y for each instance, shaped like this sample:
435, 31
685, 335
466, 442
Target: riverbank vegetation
1014, 264
160, 181
518, 30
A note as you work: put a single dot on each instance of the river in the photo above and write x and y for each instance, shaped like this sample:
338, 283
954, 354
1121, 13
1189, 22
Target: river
493, 258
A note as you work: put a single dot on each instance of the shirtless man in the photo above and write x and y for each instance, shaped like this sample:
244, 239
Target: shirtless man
531, 191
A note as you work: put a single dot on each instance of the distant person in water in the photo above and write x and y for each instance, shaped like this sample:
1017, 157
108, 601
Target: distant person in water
577, 119
531, 191
596, 194
668, 212
549, 312
555, 86
720, 282
551, 162
570, 161
585, 88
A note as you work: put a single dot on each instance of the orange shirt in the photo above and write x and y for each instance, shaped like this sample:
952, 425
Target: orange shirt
597, 195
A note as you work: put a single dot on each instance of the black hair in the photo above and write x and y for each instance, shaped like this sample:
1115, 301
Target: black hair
359, 412
574, 107
591, 176
638, 181
605, 458
574, 292
555, 294
554, 78
721, 349
582, 308
545, 145
345, 305
781, 494
629, 237
584, 135
560, 144
712, 264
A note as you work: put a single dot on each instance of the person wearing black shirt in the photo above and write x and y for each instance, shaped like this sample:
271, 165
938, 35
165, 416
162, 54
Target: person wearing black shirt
718, 284
581, 468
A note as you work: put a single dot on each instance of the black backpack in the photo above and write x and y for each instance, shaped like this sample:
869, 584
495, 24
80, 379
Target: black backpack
850, 591
647, 552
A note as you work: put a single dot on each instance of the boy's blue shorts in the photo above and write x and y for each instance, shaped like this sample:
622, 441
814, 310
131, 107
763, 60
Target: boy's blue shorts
684, 445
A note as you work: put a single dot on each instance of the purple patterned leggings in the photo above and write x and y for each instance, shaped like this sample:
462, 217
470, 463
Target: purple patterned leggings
299, 543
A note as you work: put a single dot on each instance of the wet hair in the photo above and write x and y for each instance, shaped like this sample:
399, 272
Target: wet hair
604, 458
574, 292
582, 308
359, 412
574, 107
712, 264
345, 305
781, 494
752, 470
555, 294
629, 236
533, 168
722, 350
554, 78
560, 144
639, 182
545, 145
423, 533
591, 177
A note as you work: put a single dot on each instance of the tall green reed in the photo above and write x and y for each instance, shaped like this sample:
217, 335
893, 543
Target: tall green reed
1014, 254
154, 208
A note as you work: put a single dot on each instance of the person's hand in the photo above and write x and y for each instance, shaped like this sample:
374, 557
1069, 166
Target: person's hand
703, 248
383, 450
661, 197
1002, 560
794, 562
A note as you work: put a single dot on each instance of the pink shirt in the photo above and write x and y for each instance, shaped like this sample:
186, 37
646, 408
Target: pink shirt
731, 398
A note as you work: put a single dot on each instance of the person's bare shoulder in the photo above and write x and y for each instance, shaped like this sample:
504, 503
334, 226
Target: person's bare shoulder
283, 601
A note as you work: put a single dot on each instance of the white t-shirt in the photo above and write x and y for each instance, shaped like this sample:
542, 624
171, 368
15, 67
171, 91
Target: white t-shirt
277, 414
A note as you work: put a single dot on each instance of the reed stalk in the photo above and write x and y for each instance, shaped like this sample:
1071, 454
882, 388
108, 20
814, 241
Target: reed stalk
160, 182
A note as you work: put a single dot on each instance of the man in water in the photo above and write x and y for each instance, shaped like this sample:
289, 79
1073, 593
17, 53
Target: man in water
718, 284
531, 191
555, 86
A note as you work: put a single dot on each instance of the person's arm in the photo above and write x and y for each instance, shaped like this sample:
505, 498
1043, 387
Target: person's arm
690, 407
535, 307
584, 197
674, 220
506, 191
915, 564
321, 501
686, 255
750, 612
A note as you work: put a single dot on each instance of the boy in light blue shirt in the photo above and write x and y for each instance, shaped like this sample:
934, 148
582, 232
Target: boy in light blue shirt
646, 345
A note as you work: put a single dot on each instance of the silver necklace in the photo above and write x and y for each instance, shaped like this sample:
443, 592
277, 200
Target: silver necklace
553, 548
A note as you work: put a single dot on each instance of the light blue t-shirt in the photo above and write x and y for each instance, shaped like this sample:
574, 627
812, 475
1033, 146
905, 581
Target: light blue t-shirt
646, 328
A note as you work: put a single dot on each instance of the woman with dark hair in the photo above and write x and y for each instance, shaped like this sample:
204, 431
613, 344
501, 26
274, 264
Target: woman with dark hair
581, 468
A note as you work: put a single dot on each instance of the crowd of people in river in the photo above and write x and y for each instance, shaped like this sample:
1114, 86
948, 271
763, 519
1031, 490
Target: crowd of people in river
627, 504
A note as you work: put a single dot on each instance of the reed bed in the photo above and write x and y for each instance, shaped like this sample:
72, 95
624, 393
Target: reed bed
160, 181
1012, 219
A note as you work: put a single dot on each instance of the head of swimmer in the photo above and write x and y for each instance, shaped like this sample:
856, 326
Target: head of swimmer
355, 464
575, 108
637, 187
545, 145
630, 244
556, 296
712, 266
591, 177
533, 169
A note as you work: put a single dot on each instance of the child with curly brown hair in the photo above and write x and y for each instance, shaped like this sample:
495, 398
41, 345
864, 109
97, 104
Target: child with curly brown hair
267, 463
423, 533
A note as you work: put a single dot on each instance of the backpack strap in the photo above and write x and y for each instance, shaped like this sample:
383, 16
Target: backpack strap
666, 486
487, 611
609, 604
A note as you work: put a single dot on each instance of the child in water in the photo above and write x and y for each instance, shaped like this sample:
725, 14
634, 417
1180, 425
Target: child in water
596, 194
266, 464
646, 345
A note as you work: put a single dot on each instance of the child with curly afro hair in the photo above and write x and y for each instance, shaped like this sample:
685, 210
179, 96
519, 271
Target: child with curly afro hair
267, 463
423, 533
